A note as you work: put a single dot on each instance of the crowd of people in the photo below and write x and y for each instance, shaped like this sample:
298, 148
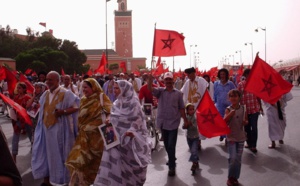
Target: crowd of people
67, 146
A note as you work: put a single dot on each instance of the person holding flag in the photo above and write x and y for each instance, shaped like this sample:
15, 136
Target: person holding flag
254, 108
169, 112
193, 90
18, 123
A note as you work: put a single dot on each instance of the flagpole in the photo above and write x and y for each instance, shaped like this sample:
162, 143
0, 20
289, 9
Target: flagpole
153, 48
173, 65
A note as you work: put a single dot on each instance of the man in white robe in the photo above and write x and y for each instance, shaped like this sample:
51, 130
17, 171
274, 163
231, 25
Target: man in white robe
277, 120
193, 89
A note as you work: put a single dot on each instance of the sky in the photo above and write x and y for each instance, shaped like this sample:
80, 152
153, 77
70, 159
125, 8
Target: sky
215, 30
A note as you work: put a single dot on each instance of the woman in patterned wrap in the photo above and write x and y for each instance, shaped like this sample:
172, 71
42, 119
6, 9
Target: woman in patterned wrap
126, 163
84, 159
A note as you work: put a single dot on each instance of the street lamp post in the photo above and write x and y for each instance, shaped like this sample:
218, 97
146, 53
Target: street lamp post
251, 50
232, 59
106, 52
196, 58
240, 55
191, 54
265, 30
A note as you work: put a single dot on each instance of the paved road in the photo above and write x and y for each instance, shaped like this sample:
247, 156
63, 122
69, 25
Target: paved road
270, 167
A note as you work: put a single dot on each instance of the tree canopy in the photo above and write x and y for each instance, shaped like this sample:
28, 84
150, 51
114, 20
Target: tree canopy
43, 52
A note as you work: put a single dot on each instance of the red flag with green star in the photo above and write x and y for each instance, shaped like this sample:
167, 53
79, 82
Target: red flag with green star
266, 83
168, 43
210, 122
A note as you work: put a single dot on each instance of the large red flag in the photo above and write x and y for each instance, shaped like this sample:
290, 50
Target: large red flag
19, 109
11, 81
123, 66
210, 122
168, 43
265, 82
101, 67
43, 24
29, 86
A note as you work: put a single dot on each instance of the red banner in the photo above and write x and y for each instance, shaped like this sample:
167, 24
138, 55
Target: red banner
168, 43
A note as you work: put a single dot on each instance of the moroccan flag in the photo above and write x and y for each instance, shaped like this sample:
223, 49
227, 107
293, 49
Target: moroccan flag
90, 73
29, 86
239, 74
101, 67
11, 81
19, 109
62, 72
168, 43
158, 62
123, 66
2, 73
42, 24
159, 70
28, 71
210, 122
136, 73
265, 82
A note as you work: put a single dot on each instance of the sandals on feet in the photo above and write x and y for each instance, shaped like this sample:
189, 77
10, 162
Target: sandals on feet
271, 146
281, 142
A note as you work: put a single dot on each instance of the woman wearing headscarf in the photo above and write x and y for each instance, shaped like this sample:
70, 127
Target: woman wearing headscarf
84, 159
33, 103
126, 163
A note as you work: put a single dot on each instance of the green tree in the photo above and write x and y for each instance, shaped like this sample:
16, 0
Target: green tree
48, 58
76, 57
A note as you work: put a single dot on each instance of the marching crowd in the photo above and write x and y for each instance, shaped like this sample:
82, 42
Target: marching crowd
67, 146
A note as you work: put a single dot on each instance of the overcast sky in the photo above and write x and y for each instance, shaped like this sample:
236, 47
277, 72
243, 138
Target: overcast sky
219, 28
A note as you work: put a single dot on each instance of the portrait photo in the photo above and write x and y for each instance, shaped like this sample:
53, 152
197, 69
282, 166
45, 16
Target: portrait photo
109, 135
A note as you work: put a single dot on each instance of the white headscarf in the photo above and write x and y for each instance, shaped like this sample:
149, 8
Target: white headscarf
127, 116
127, 102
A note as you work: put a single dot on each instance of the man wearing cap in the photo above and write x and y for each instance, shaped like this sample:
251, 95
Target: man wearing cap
193, 89
169, 113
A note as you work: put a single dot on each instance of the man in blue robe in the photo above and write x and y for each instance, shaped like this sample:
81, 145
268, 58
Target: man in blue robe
55, 132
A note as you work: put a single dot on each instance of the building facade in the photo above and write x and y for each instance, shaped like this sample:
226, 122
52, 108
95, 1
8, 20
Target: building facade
123, 45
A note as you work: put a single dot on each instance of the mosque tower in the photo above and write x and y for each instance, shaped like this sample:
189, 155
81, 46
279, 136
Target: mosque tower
123, 30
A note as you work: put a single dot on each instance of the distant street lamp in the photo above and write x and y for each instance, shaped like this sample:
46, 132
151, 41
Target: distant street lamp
264, 29
232, 59
196, 58
251, 50
240, 55
191, 54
